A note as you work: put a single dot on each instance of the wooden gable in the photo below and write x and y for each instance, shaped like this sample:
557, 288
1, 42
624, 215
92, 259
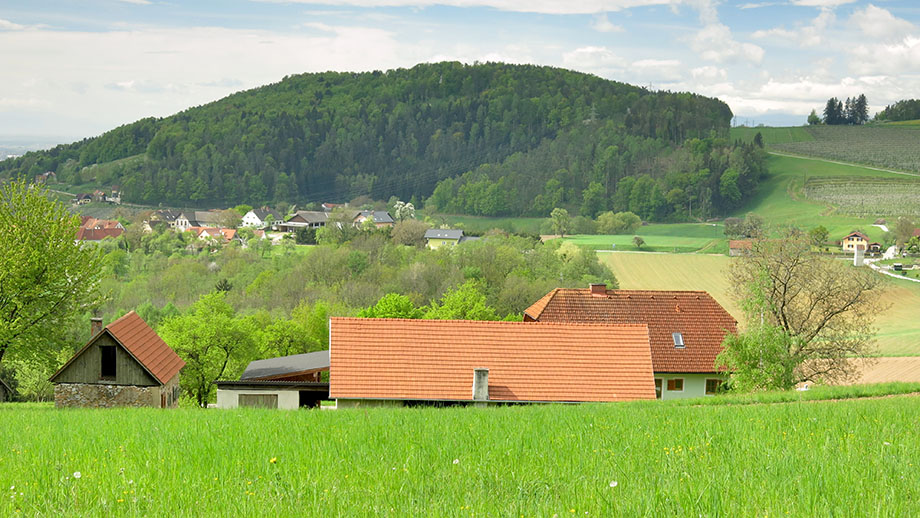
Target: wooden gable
86, 365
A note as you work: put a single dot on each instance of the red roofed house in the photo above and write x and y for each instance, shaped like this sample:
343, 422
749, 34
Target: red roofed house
686, 329
395, 361
124, 364
854, 240
738, 247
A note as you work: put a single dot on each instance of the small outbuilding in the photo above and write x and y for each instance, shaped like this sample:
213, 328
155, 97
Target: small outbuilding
123, 364
286, 382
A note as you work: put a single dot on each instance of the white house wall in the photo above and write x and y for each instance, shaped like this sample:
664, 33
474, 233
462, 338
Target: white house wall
230, 398
694, 385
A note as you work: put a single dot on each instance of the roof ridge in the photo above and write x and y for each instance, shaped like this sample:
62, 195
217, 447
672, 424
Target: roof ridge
487, 322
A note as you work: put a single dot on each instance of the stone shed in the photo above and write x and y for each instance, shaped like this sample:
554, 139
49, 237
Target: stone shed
124, 364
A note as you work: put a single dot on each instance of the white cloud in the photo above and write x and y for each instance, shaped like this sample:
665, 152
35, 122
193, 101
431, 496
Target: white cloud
6, 25
602, 24
596, 60
821, 3
715, 42
136, 2
656, 69
709, 73
889, 58
532, 6
808, 36
880, 23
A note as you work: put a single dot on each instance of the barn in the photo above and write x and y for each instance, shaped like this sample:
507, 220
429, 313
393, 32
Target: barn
123, 364
286, 382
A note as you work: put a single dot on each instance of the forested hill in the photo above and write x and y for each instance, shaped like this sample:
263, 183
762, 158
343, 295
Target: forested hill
333, 136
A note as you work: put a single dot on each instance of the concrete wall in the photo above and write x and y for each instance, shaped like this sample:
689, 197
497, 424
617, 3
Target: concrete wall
230, 398
694, 384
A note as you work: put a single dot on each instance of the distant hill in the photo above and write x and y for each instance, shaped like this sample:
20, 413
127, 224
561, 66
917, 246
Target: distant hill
334, 136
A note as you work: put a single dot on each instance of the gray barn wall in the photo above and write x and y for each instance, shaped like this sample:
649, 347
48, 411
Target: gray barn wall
86, 367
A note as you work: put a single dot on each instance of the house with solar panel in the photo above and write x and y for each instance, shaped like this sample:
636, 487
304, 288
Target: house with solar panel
686, 330
123, 364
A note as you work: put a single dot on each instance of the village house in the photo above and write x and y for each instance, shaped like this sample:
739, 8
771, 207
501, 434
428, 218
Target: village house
161, 217
401, 361
258, 218
94, 230
82, 199
286, 382
123, 364
436, 238
304, 219
380, 218
686, 330
853, 241
738, 247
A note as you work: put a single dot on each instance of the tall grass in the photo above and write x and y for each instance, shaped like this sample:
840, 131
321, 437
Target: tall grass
851, 458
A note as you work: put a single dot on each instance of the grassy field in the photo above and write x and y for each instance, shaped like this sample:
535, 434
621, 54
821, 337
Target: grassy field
772, 136
844, 458
483, 224
899, 329
685, 237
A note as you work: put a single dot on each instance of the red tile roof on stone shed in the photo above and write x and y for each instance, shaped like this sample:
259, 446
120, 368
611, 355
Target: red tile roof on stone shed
435, 360
702, 322
146, 346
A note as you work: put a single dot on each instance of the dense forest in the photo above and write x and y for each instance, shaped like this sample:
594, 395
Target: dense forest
903, 110
335, 136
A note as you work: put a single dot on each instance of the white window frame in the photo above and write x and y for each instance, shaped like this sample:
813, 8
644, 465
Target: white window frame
678, 337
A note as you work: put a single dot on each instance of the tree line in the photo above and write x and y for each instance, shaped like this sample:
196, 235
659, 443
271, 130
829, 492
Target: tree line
853, 111
335, 136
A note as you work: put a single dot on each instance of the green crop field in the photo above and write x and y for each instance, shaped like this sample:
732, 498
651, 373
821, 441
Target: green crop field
772, 136
843, 458
484, 224
898, 325
869, 195
890, 147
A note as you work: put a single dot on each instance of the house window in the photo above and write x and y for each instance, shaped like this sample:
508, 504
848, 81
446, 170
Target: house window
713, 386
676, 385
657, 388
107, 370
678, 340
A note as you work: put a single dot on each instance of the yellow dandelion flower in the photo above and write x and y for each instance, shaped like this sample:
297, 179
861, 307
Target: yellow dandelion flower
273, 460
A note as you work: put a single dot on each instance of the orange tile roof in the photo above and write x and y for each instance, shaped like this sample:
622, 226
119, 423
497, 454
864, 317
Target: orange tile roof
97, 234
702, 322
142, 342
146, 346
435, 359
740, 243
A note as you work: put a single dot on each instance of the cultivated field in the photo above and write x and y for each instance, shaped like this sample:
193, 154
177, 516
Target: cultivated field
890, 147
867, 196
898, 324
844, 458
772, 136
685, 237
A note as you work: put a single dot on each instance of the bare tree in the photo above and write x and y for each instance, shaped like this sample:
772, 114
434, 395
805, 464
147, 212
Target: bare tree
823, 307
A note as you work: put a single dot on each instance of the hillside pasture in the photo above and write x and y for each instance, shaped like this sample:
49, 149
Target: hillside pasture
480, 224
673, 238
838, 458
898, 326
867, 196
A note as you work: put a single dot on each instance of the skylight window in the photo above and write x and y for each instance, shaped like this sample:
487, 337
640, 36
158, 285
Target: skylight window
678, 340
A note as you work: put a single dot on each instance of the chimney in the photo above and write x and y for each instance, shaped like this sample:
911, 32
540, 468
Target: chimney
95, 324
480, 384
598, 290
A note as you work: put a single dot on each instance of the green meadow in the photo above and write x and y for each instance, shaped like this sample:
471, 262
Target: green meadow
840, 458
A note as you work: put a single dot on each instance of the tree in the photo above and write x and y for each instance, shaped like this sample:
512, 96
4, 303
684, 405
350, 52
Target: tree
228, 219
819, 235
212, 341
45, 279
410, 232
833, 112
903, 230
560, 219
821, 311
242, 209
403, 211
392, 305
305, 236
639, 242
813, 118
595, 200
465, 302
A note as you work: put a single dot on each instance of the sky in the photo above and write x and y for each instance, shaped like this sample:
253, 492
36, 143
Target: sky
70, 70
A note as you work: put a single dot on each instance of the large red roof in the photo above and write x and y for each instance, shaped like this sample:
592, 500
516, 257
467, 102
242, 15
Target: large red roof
146, 346
435, 360
97, 234
702, 322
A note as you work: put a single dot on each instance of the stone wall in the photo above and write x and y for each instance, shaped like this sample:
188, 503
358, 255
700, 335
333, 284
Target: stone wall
104, 396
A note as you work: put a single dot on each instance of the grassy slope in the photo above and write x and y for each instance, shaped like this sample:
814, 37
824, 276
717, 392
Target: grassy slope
636, 459
899, 331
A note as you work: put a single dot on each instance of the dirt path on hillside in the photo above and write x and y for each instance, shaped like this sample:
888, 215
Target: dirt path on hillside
790, 155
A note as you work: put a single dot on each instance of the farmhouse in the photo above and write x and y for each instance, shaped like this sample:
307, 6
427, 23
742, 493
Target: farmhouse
287, 382
854, 240
258, 218
437, 238
381, 218
304, 219
396, 362
737, 247
6, 393
686, 329
124, 364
